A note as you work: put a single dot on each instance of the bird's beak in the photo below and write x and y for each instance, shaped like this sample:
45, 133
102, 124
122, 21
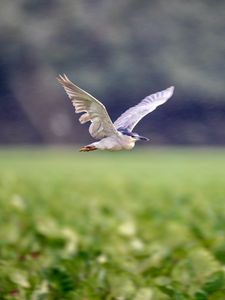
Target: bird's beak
142, 138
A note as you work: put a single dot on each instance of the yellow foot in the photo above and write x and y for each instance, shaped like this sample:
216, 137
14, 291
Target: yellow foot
88, 148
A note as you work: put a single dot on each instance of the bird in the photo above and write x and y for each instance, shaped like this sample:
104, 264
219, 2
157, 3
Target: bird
111, 136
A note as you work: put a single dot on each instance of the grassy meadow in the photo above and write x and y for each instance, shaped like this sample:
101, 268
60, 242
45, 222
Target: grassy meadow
145, 225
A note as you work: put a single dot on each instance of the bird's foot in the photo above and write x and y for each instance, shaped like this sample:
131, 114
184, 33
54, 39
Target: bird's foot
87, 148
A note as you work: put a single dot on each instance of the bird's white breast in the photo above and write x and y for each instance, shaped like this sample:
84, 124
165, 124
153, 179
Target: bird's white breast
116, 143
127, 142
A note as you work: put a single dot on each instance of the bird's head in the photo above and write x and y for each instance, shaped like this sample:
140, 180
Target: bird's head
133, 135
138, 137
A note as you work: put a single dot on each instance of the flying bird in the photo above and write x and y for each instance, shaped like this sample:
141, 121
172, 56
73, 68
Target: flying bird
112, 136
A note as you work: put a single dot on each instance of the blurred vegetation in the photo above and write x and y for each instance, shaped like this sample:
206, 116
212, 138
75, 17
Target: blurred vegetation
118, 51
151, 228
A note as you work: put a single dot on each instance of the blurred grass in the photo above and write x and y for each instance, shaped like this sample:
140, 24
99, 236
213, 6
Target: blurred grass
146, 224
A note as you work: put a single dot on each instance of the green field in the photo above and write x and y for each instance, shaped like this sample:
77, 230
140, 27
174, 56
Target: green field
143, 225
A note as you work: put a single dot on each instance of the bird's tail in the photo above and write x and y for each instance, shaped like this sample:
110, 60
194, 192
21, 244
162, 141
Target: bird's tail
88, 148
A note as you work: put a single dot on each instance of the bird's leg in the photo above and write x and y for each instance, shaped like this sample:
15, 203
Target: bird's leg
88, 148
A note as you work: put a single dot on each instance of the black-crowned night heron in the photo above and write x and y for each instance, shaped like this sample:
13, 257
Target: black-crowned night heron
113, 136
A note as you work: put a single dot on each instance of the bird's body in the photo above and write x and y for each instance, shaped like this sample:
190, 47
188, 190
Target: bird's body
113, 143
112, 136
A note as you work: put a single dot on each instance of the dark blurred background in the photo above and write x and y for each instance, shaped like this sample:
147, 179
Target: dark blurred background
119, 51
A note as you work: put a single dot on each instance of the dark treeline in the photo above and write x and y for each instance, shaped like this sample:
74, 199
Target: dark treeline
119, 52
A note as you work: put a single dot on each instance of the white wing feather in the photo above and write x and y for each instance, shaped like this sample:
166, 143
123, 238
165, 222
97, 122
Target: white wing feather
133, 115
94, 111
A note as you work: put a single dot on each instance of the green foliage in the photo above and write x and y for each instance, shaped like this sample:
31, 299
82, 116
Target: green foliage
59, 281
142, 225
214, 284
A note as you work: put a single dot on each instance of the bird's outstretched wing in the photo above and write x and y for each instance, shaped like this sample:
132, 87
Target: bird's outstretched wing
94, 111
133, 115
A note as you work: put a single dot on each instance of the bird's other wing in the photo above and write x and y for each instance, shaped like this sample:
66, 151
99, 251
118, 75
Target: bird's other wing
133, 115
94, 111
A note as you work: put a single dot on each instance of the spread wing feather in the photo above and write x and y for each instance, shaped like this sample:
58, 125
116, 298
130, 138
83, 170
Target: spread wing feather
92, 109
133, 115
